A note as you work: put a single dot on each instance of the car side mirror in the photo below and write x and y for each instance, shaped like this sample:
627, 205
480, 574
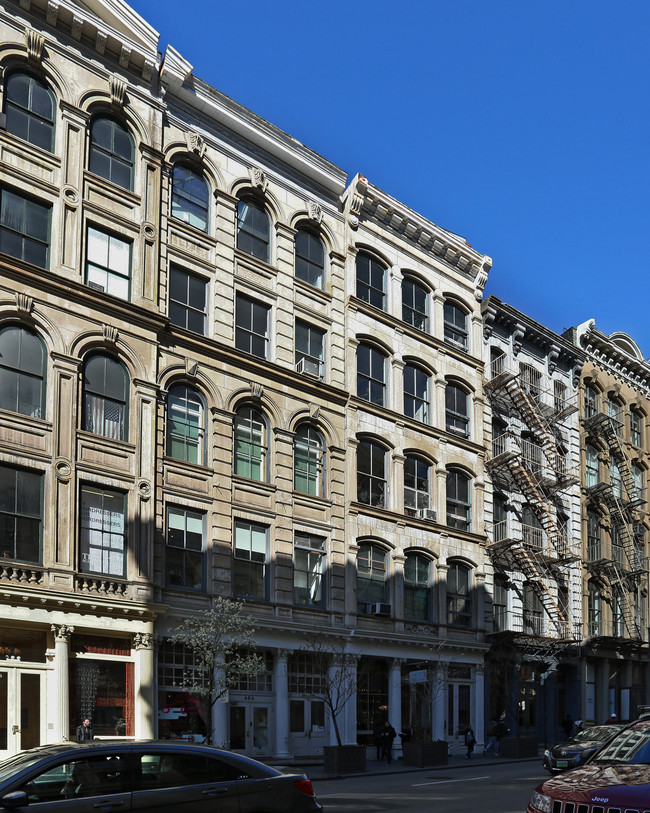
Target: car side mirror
18, 798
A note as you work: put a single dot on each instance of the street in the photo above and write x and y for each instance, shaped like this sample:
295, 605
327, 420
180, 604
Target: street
482, 787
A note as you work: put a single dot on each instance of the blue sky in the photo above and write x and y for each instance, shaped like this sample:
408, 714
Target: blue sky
524, 126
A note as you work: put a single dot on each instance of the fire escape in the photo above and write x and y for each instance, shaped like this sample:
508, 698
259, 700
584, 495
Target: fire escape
534, 465
619, 500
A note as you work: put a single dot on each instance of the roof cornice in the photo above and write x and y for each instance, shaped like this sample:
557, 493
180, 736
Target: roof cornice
612, 358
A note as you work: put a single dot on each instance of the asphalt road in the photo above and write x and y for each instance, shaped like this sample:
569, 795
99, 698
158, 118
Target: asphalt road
480, 788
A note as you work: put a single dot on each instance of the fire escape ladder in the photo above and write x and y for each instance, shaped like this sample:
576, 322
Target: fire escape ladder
539, 506
620, 520
605, 425
619, 590
534, 574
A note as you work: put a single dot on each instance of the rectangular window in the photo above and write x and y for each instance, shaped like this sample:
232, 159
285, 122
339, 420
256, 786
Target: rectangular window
103, 691
309, 556
636, 428
185, 545
24, 228
108, 263
20, 514
103, 531
187, 300
252, 327
249, 569
309, 349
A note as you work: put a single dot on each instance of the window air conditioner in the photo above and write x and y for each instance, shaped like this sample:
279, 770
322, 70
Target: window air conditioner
426, 513
308, 367
379, 609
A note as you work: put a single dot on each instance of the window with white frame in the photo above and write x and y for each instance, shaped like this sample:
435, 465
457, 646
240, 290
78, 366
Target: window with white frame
455, 327
416, 393
111, 151
594, 610
310, 258
30, 110
371, 474
185, 425
308, 461
253, 230
500, 604
591, 401
594, 550
636, 427
250, 560
309, 351
371, 281
190, 196
372, 577
459, 598
591, 466
457, 410
252, 326
415, 304
102, 531
417, 485
458, 500
108, 263
308, 570
250, 452
184, 564
187, 300
417, 587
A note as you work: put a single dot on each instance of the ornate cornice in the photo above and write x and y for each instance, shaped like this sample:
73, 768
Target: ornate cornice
612, 358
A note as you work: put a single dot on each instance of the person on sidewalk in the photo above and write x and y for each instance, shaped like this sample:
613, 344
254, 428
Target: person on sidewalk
470, 741
493, 742
502, 731
85, 732
387, 737
377, 732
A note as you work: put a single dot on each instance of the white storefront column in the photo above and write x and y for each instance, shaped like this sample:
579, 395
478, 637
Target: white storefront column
220, 712
479, 703
439, 704
395, 699
145, 711
281, 680
62, 635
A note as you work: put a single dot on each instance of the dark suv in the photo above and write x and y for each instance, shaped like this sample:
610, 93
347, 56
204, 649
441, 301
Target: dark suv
148, 775
615, 780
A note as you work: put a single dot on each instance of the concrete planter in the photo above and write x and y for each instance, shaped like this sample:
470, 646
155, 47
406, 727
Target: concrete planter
422, 754
518, 747
344, 758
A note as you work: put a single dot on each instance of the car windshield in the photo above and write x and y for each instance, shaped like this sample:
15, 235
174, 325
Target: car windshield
597, 733
631, 747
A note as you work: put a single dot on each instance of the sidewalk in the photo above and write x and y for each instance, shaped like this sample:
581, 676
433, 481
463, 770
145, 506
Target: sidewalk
314, 769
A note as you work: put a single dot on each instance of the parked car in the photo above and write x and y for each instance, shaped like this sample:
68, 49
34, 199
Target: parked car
148, 775
616, 778
576, 750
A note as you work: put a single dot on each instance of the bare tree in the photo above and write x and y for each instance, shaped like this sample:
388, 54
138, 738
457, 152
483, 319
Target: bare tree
336, 670
223, 645
426, 682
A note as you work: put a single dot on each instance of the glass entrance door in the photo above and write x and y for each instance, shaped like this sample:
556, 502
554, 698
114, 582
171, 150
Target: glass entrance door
306, 727
250, 729
20, 710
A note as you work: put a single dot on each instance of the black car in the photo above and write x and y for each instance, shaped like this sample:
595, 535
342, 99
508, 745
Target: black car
150, 775
579, 748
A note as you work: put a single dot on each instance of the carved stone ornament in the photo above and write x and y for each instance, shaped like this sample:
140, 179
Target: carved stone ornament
52, 12
25, 5
117, 88
62, 632
314, 412
481, 277
110, 333
77, 27
315, 211
257, 391
191, 368
195, 143
100, 41
357, 199
517, 338
63, 470
125, 57
143, 640
24, 303
35, 43
258, 178
147, 70
144, 490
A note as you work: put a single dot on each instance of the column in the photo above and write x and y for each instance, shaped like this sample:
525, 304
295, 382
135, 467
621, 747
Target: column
62, 635
145, 710
395, 700
479, 704
281, 680
438, 704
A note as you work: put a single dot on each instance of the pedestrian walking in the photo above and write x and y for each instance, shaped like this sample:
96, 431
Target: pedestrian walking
493, 742
377, 733
502, 731
387, 737
85, 731
470, 741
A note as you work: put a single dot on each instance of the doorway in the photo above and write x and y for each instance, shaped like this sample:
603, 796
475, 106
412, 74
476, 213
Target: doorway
306, 727
20, 710
250, 729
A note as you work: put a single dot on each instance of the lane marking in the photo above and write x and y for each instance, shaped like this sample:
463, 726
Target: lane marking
448, 781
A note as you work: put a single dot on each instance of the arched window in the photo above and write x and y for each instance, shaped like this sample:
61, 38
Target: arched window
616, 477
185, 425
190, 196
310, 258
456, 332
459, 598
253, 230
415, 310
416, 393
22, 372
250, 451
417, 587
105, 398
111, 151
371, 374
457, 410
591, 401
372, 581
615, 413
594, 610
371, 281
594, 549
458, 500
308, 461
371, 474
636, 427
29, 107
417, 486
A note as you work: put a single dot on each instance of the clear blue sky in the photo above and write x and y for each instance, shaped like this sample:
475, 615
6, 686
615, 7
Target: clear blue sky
522, 125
